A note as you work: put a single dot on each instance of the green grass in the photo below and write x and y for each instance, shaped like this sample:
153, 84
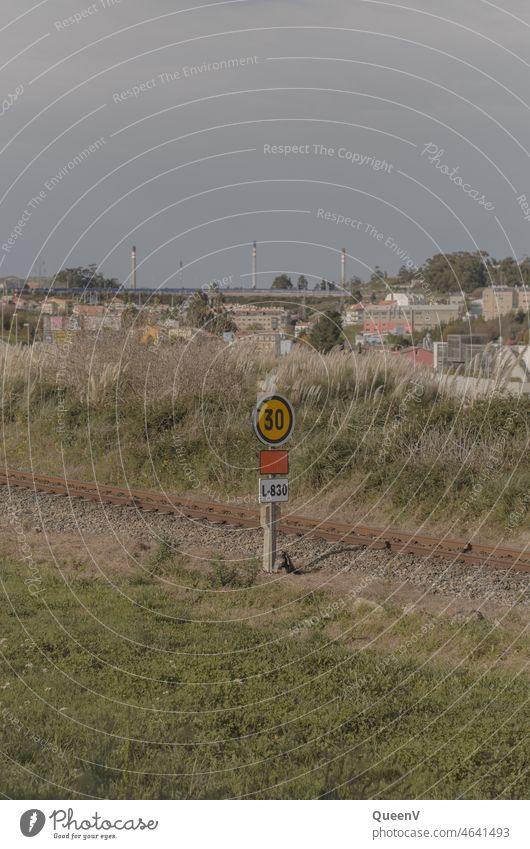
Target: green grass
133, 688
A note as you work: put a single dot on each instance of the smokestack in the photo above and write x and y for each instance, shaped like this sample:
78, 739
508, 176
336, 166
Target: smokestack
133, 267
254, 264
343, 269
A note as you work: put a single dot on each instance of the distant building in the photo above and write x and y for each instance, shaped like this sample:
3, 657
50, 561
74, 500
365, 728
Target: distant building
498, 301
39, 282
95, 317
404, 299
167, 331
354, 314
11, 284
302, 327
439, 351
417, 356
476, 309
389, 317
254, 318
49, 308
523, 299
55, 328
275, 344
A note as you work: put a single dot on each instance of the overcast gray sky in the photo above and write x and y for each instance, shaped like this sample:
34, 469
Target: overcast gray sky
182, 168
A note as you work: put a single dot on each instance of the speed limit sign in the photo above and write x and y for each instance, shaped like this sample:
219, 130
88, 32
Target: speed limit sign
274, 419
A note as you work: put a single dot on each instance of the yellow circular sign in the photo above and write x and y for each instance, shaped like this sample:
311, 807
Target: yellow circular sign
274, 420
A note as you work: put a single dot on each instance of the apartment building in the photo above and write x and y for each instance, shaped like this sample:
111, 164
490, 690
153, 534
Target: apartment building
523, 299
389, 317
267, 320
498, 301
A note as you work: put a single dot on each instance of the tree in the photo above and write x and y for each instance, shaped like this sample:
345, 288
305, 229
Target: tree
327, 332
198, 309
354, 284
84, 278
378, 274
302, 283
283, 281
132, 316
200, 314
405, 275
215, 295
460, 271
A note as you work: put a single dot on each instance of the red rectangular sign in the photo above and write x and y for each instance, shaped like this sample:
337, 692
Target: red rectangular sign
274, 462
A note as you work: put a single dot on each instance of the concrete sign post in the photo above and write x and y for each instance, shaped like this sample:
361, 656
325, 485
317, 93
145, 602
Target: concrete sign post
273, 424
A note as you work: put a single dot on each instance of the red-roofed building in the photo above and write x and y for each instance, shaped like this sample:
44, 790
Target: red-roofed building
418, 356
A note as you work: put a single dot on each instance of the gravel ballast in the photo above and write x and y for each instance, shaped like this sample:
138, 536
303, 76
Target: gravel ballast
39, 513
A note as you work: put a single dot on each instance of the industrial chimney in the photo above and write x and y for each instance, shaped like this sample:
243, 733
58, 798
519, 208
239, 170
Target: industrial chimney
133, 267
343, 269
254, 264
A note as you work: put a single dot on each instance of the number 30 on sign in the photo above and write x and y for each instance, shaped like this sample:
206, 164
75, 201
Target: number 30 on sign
274, 419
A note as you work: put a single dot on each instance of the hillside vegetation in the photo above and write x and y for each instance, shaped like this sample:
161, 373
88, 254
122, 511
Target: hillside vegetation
375, 440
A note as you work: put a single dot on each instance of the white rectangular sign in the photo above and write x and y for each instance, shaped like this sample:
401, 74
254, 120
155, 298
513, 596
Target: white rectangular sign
273, 490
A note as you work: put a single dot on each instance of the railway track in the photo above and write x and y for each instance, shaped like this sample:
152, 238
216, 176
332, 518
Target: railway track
244, 517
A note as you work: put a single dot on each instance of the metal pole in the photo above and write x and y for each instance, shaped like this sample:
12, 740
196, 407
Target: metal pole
133, 267
254, 264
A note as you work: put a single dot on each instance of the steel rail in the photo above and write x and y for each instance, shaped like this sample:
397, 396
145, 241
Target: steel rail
217, 513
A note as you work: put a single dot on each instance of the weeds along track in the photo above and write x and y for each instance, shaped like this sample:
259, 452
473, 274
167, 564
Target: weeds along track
291, 524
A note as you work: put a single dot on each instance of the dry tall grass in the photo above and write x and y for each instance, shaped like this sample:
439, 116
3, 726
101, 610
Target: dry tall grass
311, 378
364, 417
94, 367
